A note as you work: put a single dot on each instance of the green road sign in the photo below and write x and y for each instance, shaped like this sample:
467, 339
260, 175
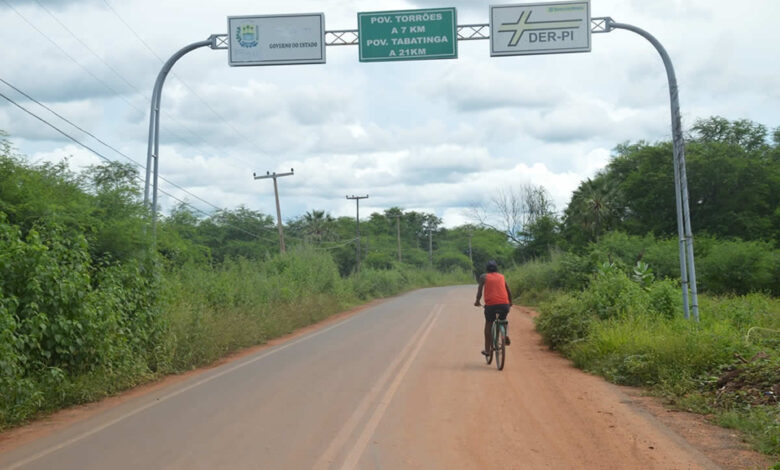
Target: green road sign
408, 35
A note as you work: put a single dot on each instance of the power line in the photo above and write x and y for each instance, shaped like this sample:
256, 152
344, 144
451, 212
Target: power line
97, 56
64, 52
138, 177
103, 82
348, 242
210, 108
102, 142
130, 28
103, 157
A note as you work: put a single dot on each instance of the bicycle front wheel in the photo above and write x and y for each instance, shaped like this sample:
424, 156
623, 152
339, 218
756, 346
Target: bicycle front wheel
500, 349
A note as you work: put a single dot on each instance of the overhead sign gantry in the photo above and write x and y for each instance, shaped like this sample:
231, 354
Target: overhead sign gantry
522, 29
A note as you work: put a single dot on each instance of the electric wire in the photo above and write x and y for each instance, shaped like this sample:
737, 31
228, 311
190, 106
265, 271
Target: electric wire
139, 165
134, 88
149, 48
138, 177
103, 157
198, 139
84, 44
217, 208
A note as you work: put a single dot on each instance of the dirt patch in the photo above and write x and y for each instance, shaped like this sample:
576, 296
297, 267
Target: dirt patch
725, 447
47, 425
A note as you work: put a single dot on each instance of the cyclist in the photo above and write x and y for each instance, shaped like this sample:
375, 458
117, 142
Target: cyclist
498, 300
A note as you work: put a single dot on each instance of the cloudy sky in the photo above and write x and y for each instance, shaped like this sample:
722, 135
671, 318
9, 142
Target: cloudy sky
436, 135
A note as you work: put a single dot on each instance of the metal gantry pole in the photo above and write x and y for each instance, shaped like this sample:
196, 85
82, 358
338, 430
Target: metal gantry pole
687, 266
275, 175
153, 149
357, 226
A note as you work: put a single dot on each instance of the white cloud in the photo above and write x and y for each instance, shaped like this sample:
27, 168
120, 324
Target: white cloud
436, 135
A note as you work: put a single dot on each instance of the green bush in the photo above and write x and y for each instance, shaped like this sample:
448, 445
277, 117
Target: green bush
575, 271
612, 294
65, 322
665, 298
723, 267
648, 350
620, 248
450, 260
664, 257
738, 267
563, 321
377, 260
373, 283
534, 281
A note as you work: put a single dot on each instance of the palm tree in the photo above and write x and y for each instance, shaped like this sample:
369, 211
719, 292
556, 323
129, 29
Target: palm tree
595, 206
318, 226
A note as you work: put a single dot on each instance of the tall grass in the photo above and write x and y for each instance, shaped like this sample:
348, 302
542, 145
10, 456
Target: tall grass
212, 312
535, 281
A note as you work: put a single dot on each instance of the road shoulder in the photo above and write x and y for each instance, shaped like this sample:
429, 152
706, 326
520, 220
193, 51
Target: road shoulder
724, 447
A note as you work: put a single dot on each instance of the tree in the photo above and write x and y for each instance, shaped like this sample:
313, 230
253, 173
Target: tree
118, 212
595, 207
733, 184
179, 238
743, 133
513, 210
318, 227
541, 237
239, 233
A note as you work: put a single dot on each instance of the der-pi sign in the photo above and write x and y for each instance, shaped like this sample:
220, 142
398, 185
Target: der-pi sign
540, 28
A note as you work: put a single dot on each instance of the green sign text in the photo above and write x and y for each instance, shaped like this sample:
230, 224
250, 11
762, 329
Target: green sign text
408, 35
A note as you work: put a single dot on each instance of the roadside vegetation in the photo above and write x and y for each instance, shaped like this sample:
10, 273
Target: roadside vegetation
89, 307
608, 288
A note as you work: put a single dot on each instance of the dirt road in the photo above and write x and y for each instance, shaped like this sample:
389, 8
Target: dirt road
399, 385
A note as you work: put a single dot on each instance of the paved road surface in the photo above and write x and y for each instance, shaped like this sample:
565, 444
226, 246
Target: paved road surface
396, 386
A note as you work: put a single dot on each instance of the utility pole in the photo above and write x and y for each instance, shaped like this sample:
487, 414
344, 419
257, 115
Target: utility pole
398, 236
357, 229
274, 175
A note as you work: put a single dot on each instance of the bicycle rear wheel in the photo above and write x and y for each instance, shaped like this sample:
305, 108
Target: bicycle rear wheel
489, 357
500, 349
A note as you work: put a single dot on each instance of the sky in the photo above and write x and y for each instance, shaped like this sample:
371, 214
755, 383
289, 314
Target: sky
439, 136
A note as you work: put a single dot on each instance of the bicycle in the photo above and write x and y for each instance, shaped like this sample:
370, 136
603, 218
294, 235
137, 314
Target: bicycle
498, 331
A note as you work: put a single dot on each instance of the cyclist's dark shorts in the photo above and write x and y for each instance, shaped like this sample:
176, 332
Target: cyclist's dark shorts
491, 310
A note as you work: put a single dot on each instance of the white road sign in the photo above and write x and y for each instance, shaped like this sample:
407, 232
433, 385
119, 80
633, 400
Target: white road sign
276, 39
540, 28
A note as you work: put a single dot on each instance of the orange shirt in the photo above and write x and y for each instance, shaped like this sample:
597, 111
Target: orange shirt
495, 289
